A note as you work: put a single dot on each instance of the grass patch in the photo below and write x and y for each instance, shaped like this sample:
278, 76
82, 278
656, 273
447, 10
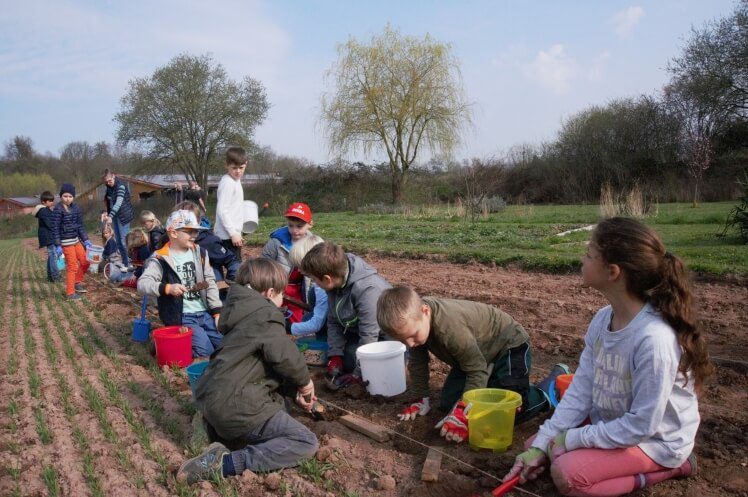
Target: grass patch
49, 475
524, 236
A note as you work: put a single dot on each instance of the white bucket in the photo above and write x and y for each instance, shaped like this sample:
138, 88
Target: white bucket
383, 366
94, 252
250, 217
93, 267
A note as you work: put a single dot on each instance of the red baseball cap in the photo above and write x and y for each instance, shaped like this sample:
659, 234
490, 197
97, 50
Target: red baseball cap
299, 210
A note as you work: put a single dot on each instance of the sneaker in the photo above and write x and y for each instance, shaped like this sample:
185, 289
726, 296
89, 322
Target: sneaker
203, 466
74, 296
549, 382
690, 467
79, 288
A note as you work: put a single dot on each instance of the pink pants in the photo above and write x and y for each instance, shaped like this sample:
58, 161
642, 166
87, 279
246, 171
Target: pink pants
606, 472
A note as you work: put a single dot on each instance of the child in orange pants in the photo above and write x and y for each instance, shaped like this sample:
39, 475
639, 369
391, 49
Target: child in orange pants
71, 239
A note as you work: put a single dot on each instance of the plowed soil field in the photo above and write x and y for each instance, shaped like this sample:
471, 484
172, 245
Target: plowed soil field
86, 411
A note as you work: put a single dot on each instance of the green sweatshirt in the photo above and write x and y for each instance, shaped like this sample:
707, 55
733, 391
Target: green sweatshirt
467, 336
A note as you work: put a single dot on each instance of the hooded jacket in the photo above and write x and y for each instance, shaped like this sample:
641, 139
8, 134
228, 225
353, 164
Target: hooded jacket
352, 308
160, 271
45, 232
278, 247
238, 390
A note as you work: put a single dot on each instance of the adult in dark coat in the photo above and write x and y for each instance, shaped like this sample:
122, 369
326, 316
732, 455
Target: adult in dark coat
119, 211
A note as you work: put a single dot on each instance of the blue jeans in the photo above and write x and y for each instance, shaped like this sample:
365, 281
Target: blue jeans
53, 273
205, 336
120, 234
280, 442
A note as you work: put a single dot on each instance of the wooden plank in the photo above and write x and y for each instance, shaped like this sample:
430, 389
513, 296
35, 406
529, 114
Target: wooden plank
360, 425
431, 466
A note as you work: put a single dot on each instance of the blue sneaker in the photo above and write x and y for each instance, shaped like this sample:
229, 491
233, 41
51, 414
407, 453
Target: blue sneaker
548, 384
74, 296
203, 466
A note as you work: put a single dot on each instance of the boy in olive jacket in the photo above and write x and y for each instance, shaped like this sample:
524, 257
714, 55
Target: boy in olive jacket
238, 395
485, 346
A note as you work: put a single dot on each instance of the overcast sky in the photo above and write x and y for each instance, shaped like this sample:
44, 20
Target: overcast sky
64, 65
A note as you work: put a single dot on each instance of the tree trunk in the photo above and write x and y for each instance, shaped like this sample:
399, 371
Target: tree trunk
695, 193
397, 188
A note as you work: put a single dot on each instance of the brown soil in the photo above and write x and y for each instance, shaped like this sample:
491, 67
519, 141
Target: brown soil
555, 310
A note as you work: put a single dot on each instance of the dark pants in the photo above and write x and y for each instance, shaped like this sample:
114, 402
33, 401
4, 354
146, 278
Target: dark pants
229, 245
511, 371
280, 442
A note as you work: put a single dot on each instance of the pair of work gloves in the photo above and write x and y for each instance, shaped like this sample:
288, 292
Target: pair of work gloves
531, 463
58, 249
454, 426
337, 379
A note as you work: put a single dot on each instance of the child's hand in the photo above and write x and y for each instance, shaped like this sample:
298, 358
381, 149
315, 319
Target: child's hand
176, 290
417, 408
557, 446
454, 427
528, 465
237, 240
58, 250
305, 396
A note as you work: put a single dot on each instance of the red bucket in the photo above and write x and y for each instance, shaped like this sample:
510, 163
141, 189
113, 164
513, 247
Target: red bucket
173, 347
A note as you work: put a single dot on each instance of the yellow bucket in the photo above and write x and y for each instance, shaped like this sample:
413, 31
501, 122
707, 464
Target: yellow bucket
491, 419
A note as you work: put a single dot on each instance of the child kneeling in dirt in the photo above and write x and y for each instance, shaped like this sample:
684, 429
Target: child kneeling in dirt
238, 395
643, 362
179, 274
485, 346
353, 288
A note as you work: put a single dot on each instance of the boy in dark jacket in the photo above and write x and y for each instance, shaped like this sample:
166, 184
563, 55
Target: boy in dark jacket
485, 346
179, 274
238, 395
45, 233
353, 288
72, 240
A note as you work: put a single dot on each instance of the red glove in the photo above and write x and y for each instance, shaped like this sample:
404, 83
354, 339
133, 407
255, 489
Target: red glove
454, 427
335, 366
417, 408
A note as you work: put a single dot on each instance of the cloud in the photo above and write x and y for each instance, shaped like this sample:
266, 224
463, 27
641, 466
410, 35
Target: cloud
597, 69
625, 20
552, 69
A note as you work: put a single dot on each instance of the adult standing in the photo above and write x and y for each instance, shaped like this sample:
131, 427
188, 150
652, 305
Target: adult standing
119, 211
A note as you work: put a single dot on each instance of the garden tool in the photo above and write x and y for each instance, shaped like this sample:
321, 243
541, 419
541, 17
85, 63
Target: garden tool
505, 487
141, 327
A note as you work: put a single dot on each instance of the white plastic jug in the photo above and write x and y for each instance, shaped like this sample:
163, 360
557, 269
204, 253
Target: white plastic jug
383, 366
250, 217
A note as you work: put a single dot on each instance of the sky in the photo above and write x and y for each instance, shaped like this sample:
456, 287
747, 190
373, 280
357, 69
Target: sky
526, 65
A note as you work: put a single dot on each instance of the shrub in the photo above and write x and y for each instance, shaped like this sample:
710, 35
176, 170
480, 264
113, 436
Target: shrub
738, 216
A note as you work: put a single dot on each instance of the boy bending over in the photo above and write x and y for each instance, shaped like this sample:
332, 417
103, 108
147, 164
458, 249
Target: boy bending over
238, 395
353, 288
179, 274
485, 346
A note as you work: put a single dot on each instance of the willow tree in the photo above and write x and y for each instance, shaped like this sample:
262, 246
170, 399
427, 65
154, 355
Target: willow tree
187, 112
396, 93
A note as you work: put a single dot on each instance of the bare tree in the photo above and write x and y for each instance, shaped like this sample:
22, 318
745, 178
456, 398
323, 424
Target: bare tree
398, 94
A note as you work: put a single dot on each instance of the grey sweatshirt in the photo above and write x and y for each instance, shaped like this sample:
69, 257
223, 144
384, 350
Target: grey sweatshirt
629, 385
353, 307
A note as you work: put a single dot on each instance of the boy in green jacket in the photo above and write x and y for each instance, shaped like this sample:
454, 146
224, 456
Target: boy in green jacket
238, 395
485, 346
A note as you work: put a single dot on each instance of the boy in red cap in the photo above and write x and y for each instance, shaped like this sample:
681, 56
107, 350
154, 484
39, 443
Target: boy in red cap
298, 226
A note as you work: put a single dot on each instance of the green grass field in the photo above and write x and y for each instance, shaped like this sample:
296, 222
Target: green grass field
525, 235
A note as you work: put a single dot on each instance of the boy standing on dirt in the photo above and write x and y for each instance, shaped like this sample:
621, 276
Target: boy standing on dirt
45, 233
485, 346
239, 393
71, 239
230, 203
180, 276
353, 288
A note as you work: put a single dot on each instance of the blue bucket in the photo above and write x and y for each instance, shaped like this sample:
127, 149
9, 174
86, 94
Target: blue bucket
194, 372
315, 353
